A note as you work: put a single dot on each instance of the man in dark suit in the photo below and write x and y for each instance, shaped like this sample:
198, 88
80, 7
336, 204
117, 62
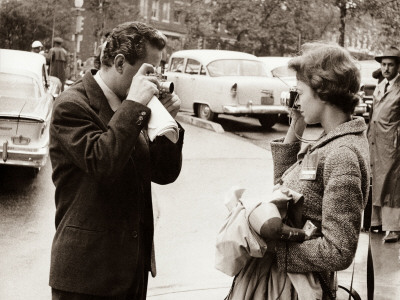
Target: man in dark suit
103, 164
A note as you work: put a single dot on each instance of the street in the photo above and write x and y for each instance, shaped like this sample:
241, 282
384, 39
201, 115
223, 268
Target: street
188, 214
27, 228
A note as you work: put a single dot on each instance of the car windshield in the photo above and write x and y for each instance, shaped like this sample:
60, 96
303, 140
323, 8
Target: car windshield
236, 67
283, 71
18, 86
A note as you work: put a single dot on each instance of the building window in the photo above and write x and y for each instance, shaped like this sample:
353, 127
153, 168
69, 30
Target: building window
143, 7
177, 16
155, 10
165, 12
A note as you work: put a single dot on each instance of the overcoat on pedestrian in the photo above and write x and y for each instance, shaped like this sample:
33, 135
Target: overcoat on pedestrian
333, 201
384, 142
58, 63
103, 165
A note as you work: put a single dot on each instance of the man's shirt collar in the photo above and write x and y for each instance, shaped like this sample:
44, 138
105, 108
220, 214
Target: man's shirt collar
391, 81
112, 98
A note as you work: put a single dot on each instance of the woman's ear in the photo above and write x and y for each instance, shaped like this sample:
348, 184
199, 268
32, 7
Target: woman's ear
119, 61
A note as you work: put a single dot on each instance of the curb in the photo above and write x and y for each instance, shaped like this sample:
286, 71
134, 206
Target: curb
200, 123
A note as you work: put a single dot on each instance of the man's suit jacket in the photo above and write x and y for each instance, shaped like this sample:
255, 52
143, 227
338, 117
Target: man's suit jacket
103, 165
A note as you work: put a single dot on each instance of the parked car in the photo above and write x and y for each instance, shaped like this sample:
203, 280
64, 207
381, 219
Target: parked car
212, 82
277, 69
25, 109
368, 84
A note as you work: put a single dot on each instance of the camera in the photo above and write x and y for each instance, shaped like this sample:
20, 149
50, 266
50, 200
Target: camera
165, 87
290, 98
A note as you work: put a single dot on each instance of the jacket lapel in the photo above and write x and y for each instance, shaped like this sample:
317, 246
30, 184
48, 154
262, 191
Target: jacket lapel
97, 99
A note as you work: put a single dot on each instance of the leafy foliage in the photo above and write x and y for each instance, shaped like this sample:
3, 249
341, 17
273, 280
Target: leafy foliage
261, 27
22, 22
276, 27
114, 11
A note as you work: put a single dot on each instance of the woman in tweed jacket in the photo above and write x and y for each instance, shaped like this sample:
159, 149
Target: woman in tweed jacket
333, 172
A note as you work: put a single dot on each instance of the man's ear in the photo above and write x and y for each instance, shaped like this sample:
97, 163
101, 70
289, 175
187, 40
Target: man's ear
119, 61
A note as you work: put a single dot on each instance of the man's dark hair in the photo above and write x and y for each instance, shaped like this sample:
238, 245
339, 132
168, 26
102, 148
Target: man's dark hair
130, 39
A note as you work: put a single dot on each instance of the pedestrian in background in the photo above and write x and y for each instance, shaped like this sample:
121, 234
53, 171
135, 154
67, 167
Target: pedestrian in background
384, 141
332, 173
58, 59
37, 47
103, 165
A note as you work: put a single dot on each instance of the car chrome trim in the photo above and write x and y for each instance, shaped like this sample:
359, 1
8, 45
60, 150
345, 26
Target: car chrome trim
25, 159
21, 117
255, 109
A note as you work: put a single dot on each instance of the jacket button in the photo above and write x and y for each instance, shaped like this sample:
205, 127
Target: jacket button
134, 234
140, 118
143, 113
139, 122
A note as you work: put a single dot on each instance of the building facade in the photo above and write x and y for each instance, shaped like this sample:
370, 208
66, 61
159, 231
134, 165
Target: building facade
165, 15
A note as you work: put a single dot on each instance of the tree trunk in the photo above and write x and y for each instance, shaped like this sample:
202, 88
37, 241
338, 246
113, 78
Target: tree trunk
342, 28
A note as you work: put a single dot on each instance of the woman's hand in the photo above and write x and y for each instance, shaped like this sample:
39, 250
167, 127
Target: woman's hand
297, 126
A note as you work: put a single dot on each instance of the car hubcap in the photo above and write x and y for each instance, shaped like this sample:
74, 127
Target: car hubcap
206, 110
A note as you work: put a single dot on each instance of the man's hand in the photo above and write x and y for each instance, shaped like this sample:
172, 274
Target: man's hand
143, 87
171, 102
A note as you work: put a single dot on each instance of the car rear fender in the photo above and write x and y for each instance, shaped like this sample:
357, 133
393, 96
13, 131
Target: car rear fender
23, 131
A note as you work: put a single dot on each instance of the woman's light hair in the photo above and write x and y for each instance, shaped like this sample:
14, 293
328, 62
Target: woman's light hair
331, 72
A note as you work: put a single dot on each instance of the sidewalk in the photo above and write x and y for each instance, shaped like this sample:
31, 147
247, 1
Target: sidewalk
191, 211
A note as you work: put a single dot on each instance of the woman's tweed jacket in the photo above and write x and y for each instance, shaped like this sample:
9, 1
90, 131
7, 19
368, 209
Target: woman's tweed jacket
334, 201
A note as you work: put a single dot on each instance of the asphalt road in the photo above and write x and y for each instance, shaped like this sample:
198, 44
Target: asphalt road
27, 228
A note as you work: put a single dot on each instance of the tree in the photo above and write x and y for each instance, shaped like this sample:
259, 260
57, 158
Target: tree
22, 22
198, 20
387, 13
276, 27
106, 14
262, 27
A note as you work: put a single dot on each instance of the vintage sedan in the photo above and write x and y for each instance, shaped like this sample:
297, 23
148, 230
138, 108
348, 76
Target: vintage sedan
212, 82
282, 77
368, 84
25, 109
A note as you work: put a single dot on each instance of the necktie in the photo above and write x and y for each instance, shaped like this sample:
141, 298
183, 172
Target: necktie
386, 87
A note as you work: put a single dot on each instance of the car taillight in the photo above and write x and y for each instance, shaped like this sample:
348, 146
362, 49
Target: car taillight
234, 90
20, 140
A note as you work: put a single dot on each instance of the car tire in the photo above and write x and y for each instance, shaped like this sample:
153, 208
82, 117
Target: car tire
204, 112
267, 121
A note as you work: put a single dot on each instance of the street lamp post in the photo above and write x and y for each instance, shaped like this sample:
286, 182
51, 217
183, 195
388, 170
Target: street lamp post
78, 8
